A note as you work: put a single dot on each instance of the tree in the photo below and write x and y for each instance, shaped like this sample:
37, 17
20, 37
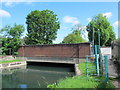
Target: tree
75, 36
42, 27
11, 38
101, 23
111, 38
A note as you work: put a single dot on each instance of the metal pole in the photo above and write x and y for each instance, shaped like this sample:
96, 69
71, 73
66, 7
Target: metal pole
99, 40
97, 64
93, 41
106, 68
99, 36
93, 36
100, 55
87, 66
23, 47
96, 59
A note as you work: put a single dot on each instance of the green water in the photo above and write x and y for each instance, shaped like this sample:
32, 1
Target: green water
35, 75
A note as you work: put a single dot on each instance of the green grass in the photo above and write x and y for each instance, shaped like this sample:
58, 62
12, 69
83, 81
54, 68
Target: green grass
82, 81
77, 82
2, 55
9, 61
91, 69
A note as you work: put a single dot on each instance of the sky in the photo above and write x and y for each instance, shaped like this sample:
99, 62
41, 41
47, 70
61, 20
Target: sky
69, 14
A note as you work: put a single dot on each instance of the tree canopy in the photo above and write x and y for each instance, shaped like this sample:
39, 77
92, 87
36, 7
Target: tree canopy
42, 27
75, 36
11, 38
101, 23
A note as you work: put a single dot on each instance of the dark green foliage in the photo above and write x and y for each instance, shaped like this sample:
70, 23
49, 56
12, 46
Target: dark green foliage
42, 27
106, 31
11, 39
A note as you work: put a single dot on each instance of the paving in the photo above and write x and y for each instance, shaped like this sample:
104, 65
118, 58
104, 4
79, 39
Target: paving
6, 58
114, 71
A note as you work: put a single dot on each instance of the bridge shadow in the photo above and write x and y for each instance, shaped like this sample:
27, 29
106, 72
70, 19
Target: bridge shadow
52, 66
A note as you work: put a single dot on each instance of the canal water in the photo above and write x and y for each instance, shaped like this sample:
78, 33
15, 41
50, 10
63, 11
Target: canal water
35, 75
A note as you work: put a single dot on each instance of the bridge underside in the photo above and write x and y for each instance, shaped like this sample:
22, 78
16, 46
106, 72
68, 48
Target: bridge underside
54, 60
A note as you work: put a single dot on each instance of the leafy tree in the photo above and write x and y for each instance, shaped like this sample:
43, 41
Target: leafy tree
42, 27
111, 38
75, 36
11, 38
101, 23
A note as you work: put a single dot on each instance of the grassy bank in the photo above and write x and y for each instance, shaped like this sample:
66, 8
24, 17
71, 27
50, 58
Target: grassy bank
9, 61
82, 81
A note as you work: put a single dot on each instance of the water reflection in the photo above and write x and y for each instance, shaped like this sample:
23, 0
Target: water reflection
34, 76
10, 70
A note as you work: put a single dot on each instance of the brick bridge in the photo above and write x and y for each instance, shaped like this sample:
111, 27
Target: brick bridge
55, 53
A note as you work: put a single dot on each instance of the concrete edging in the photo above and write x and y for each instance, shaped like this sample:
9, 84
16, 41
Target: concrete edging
12, 64
77, 71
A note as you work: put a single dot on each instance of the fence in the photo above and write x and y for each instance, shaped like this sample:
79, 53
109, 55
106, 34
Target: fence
96, 67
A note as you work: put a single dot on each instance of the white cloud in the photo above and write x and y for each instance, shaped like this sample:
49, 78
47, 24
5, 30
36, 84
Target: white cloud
64, 27
89, 19
10, 2
4, 13
107, 15
73, 20
116, 24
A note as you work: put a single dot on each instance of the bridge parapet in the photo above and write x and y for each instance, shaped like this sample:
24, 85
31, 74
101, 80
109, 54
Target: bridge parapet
79, 50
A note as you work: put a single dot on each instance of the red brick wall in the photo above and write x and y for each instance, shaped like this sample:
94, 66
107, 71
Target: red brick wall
56, 50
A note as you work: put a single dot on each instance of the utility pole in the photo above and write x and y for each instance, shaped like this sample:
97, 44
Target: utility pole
99, 40
23, 46
93, 40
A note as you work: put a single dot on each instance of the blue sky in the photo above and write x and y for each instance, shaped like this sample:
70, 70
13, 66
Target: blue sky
69, 14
